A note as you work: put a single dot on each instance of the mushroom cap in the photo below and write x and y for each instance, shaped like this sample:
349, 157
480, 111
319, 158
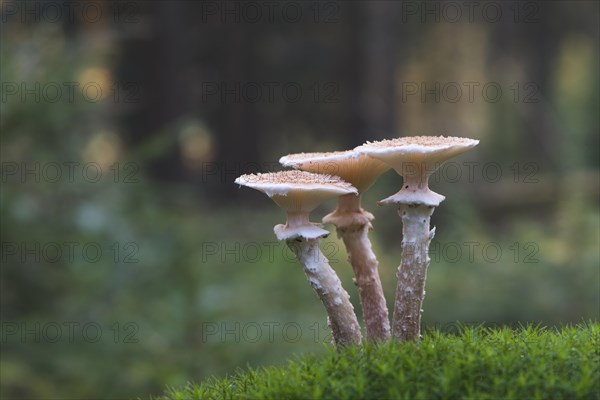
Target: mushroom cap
429, 150
415, 158
297, 191
358, 169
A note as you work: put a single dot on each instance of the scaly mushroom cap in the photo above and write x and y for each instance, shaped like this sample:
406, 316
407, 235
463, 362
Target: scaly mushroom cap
358, 169
298, 193
416, 149
416, 158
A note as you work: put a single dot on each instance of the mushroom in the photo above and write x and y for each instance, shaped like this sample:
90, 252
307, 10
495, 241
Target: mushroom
353, 225
415, 159
298, 193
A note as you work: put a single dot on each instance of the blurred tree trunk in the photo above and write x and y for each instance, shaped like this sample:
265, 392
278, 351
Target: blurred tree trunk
153, 63
379, 57
531, 91
238, 138
369, 66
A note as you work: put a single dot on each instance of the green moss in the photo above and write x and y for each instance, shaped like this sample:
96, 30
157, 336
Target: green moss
477, 363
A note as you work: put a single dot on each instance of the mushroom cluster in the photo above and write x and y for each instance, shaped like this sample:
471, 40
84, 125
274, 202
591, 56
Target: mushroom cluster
317, 177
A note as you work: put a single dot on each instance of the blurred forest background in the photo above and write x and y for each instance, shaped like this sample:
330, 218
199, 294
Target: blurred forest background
130, 260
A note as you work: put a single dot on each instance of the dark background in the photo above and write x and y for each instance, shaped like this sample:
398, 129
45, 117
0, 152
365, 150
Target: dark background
130, 260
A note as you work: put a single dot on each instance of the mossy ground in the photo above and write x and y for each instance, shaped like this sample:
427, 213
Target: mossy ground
477, 363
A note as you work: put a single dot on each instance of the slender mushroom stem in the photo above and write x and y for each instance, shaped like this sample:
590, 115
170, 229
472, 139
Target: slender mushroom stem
353, 225
412, 271
323, 279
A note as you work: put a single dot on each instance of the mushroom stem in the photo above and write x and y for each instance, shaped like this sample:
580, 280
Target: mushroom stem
364, 264
354, 232
323, 279
412, 271
349, 203
297, 219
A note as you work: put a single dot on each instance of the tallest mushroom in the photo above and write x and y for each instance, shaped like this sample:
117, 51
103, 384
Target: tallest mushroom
415, 159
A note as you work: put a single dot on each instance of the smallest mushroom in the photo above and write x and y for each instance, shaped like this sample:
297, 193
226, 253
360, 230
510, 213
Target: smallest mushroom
298, 193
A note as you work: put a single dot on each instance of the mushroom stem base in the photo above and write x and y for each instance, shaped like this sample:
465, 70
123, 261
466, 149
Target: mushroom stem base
412, 271
324, 281
364, 264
